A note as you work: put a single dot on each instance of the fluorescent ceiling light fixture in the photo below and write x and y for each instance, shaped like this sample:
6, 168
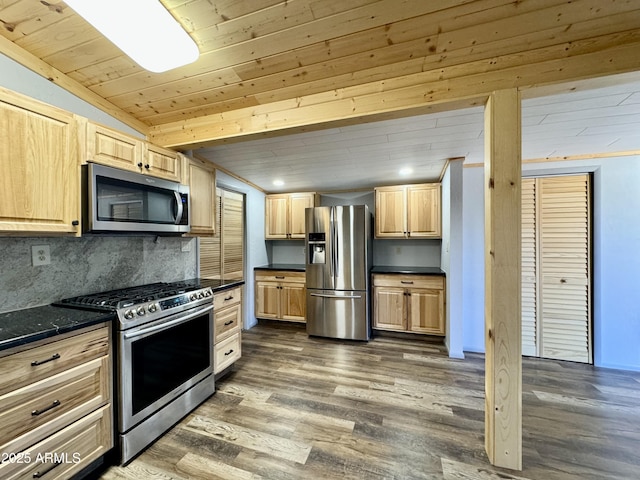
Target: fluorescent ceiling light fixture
278, 183
143, 29
406, 171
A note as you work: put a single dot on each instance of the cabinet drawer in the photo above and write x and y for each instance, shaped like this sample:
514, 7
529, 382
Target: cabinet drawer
65, 453
34, 364
228, 322
280, 276
31, 413
227, 298
408, 281
227, 352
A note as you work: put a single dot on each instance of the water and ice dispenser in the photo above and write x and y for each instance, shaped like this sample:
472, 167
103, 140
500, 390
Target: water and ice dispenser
317, 247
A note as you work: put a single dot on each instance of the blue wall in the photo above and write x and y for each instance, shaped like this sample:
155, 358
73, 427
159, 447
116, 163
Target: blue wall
616, 256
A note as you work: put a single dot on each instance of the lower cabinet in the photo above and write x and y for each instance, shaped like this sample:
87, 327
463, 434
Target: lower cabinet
281, 295
409, 303
227, 308
55, 405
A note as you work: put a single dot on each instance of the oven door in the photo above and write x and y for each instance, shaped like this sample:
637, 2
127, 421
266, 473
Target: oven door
159, 361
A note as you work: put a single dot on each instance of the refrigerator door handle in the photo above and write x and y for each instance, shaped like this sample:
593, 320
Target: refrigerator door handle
335, 245
332, 244
326, 295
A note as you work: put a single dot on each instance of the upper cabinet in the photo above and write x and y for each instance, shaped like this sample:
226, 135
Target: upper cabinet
201, 178
40, 182
116, 149
285, 214
408, 211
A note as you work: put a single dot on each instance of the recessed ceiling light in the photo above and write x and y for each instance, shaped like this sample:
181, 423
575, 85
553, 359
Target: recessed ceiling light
143, 29
278, 183
406, 171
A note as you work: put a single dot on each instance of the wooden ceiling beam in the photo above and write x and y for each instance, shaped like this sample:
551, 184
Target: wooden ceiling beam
403, 96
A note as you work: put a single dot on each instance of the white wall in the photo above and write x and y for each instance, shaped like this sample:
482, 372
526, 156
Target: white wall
22, 80
616, 256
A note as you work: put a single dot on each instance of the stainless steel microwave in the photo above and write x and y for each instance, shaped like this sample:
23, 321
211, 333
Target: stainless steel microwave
116, 200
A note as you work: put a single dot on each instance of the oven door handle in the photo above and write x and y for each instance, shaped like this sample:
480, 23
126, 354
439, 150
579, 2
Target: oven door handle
169, 324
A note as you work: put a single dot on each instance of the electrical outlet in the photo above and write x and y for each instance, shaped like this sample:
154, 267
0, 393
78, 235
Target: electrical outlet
186, 245
40, 255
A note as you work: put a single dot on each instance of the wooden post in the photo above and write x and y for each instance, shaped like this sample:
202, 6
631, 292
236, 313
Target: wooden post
503, 361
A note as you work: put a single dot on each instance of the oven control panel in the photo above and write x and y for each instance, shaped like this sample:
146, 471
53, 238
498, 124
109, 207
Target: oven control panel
174, 302
155, 307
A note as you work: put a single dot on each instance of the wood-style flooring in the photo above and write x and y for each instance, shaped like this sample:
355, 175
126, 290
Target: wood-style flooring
312, 408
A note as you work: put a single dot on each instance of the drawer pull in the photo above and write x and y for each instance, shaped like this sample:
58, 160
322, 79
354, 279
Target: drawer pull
35, 413
55, 356
407, 282
279, 277
229, 352
226, 324
40, 474
230, 297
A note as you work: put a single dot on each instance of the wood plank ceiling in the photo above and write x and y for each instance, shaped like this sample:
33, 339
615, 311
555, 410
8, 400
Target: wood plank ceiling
273, 66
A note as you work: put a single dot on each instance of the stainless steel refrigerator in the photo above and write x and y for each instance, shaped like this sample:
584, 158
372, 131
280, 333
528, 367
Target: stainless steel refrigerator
338, 262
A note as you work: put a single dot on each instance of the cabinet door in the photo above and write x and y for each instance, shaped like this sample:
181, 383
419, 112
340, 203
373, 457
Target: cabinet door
390, 212
423, 211
389, 309
40, 182
276, 208
112, 148
426, 311
201, 179
294, 302
298, 202
162, 163
267, 299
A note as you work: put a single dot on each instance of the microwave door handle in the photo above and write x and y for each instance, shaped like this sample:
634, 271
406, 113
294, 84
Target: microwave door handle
179, 207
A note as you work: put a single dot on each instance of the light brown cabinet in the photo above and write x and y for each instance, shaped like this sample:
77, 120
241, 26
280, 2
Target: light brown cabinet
200, 176
117, 149
408, 211
284, 215
39, 160
55, 398
227, 349
280, 295
409, 303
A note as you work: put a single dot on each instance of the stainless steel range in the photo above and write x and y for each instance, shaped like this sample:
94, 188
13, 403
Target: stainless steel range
164, 356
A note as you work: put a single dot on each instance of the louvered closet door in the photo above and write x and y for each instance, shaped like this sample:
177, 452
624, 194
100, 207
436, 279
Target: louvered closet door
529, 269
564, 210
556, 276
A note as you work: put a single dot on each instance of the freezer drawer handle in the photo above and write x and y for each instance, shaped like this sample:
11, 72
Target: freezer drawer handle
323, 295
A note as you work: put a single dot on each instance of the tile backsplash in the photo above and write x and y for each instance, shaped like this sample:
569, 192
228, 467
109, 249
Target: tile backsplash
89, 264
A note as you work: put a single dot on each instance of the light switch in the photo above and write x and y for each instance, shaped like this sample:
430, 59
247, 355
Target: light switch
40, 255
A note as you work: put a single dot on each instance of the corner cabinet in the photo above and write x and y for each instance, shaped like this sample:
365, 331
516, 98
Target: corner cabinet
408, 211
55, 405
281, 295
284, 215
117, 149
409, 303
39, 160
227, 307
201, 178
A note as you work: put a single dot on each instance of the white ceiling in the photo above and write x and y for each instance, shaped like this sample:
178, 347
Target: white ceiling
600, 120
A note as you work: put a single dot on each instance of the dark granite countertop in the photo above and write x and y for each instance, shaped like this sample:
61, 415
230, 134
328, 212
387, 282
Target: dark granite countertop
216, 285
407, 270
294, 267
31, 324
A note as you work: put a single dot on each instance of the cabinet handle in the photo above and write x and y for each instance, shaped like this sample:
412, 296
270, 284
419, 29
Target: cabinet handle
35, 413
229, 352
55, 356
147, 166
407, 282
226, 324
75, 223
228, 298
40, 474
140, 164
279, 277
